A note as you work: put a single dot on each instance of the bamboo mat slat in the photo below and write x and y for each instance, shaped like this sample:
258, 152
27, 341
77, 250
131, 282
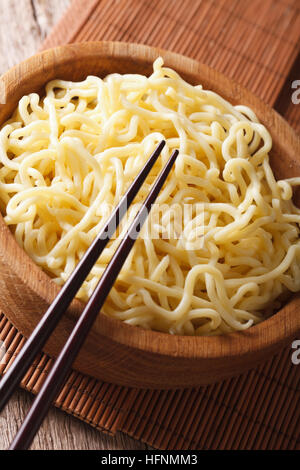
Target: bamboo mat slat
251, 41
285, 105
257, 44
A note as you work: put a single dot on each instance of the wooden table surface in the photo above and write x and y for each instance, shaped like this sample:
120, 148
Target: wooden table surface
23, 26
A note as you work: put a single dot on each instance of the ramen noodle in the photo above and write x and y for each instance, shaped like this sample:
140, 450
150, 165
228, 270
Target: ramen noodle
223, 244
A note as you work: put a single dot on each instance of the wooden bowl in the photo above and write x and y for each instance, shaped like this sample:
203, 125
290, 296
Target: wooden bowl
114, 351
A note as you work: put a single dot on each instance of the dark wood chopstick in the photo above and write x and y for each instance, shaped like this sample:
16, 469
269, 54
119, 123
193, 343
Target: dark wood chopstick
63, 363
54, 313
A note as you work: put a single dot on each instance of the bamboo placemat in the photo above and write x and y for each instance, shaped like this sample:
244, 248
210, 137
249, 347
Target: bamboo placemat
256, 43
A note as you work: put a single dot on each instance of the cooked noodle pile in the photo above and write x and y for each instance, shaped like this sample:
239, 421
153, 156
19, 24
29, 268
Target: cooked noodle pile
67, 159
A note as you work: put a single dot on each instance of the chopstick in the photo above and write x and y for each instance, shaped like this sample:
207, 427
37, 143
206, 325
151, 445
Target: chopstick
63, 363
54, 313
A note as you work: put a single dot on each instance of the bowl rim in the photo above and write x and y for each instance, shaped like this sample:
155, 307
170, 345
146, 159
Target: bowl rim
277, 329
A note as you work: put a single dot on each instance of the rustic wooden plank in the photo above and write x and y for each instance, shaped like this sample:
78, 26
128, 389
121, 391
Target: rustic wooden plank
24, 25
59, 430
